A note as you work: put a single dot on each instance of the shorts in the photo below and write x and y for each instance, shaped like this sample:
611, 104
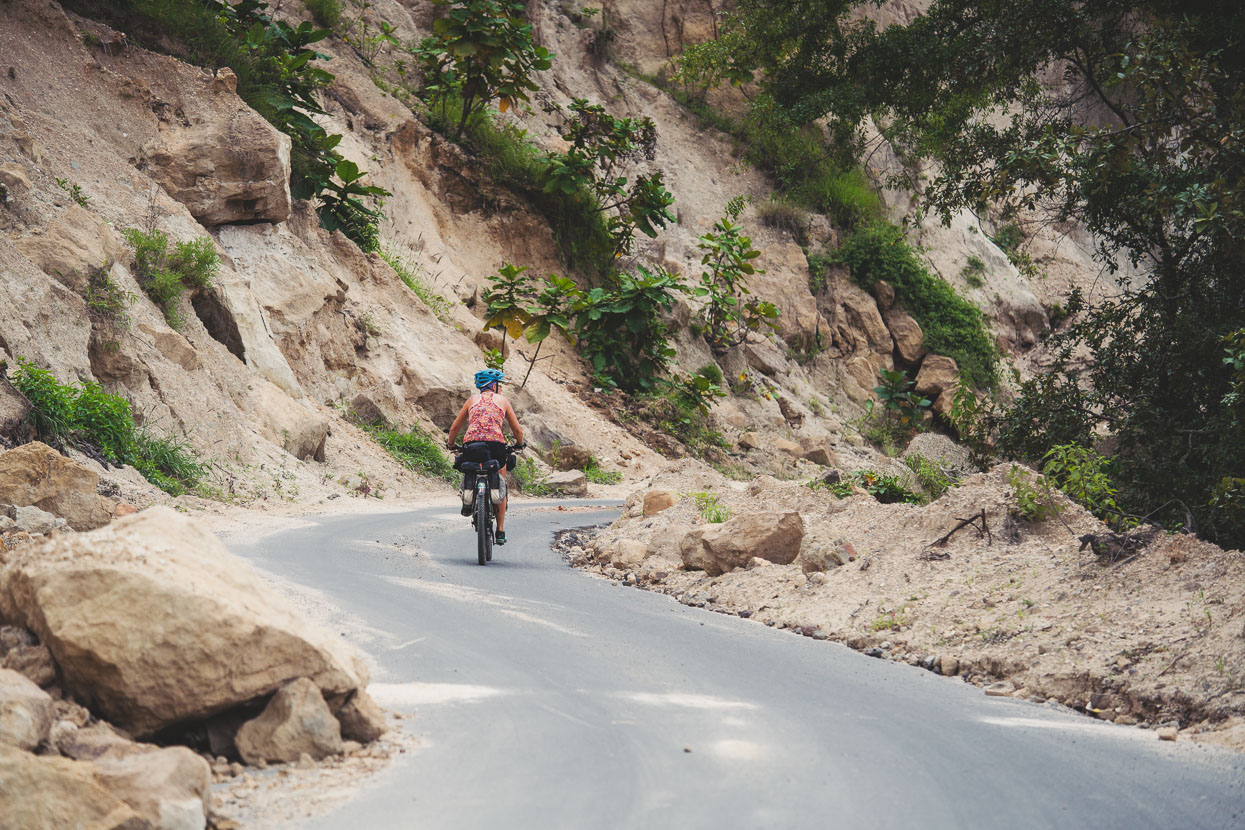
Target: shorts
478, 452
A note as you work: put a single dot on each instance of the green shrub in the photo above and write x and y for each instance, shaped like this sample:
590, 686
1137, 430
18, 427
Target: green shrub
974, 272
596, 475
952, 325
196, 262
105, 300
711, 509
75, 192
932, 477
165, 276
529, 479
1081, 475
87, 415
782, 214
328, 13
1034, 500
416, 450
621, 332
579, 226
840, 489
886, 488
730, 313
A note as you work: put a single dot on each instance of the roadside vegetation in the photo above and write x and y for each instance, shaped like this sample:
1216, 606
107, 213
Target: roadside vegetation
102, 425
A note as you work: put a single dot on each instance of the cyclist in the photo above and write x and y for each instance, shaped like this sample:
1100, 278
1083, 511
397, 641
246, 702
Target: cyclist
484, 414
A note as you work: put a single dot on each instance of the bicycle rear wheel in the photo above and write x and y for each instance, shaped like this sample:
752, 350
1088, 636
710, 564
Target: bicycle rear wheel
484, 526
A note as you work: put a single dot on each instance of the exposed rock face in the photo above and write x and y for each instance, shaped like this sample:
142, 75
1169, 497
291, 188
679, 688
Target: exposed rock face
13, 410
169, 787
361, 719
231, 168
771, 535
35, 474
572, 483
41, 792
25, 711
296, 720
299, 430
76, 244
33, 520
154, 623
789, 447
91, 742
656, 501
750, 440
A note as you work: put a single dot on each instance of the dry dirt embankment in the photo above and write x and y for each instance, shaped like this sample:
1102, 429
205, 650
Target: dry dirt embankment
1154, 638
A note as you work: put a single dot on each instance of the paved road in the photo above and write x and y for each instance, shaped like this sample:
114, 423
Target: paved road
549, 699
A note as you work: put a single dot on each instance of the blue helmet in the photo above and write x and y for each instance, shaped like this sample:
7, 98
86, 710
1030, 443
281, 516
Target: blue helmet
487, 377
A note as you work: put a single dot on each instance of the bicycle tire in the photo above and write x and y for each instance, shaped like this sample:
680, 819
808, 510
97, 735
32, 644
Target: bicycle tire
484, 526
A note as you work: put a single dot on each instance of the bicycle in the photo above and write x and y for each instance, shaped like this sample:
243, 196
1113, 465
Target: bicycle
483, 480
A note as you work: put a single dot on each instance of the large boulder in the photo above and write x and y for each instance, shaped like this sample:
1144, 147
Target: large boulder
771, 535
154, 623
295, 721
231, 167
571, 483
26, 711
35, 474
909, 339
169, 787
938, 374
568, 457
42, 793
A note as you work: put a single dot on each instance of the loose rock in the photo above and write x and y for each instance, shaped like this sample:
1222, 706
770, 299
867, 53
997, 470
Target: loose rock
296, 722
46, 792
26, 712
35, 474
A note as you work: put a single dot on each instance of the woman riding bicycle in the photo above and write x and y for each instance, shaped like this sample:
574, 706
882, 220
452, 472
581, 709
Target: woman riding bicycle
484, 413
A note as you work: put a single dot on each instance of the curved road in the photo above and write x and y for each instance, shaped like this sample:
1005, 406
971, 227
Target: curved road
546, 698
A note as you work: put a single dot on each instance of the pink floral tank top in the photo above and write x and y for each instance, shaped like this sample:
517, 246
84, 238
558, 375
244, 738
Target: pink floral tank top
484, 421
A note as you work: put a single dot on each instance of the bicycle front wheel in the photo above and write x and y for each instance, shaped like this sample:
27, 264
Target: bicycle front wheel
484, 526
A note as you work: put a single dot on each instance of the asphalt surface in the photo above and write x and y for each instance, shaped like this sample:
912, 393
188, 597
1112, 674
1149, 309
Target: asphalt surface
546, 698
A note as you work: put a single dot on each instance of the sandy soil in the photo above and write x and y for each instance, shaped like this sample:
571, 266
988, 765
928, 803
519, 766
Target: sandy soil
1154, 639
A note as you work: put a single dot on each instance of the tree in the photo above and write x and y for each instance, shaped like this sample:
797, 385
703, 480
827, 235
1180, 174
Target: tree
482, 51
730, 314
1137, 132
551, 312
600, 145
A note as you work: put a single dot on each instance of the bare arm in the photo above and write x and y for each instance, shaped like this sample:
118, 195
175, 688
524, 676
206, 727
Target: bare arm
513, 420
457, 426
